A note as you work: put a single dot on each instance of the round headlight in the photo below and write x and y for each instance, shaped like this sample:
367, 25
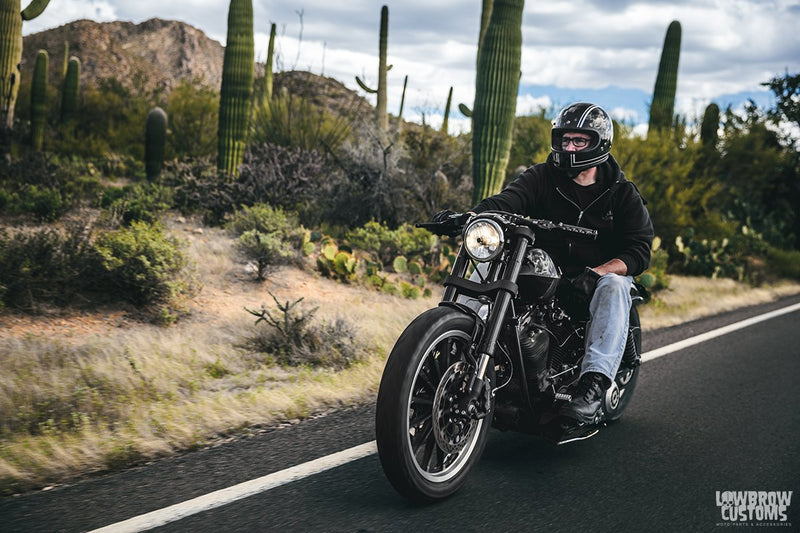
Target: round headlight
483, 239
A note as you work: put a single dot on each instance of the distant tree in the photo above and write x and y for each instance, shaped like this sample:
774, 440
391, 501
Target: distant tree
787, 91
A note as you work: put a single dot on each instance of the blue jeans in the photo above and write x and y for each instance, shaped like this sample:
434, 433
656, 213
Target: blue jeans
607, 329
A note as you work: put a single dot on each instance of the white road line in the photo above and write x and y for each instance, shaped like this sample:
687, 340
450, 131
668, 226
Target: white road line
222, 497
686, 343
228, 495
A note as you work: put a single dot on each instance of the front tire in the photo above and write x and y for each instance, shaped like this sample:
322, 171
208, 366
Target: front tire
426, 448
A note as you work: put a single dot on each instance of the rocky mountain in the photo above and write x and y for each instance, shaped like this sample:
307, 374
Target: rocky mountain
154, 54
158, 54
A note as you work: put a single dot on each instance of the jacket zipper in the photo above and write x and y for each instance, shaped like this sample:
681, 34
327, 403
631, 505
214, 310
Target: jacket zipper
581, 211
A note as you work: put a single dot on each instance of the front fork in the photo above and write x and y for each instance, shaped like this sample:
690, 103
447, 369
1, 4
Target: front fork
494, 327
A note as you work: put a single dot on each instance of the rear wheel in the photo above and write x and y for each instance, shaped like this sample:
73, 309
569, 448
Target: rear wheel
619, 395
426, 445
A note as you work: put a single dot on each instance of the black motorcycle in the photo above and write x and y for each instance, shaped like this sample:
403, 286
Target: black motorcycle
503, 348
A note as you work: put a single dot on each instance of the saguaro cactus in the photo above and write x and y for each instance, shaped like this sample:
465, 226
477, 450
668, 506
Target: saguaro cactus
710, 126
486, 13
155, 136
496, 86
39, 100
447, 111
663, 105
69, 93
11, 52
237, 86
380, 108
268, 66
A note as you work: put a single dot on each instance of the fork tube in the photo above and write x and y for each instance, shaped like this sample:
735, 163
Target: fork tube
499, 310
459, 270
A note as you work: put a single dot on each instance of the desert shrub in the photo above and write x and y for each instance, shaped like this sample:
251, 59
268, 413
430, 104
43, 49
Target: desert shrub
384, 244
45, 266
111, 120
142, 265
264, 219
292, 177
294, 121
143, 202
263, 251
193, 110
45, 186
530, 142
291, 337
784, 263
364, 181
268, 236
436, 170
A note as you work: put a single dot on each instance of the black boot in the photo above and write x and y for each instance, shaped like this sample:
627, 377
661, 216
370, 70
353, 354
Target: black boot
586, 399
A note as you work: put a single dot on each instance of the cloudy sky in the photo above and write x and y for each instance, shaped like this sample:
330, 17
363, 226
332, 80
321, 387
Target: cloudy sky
605, 51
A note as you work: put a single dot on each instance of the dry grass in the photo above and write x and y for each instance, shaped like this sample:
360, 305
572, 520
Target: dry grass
87, 393
689, 298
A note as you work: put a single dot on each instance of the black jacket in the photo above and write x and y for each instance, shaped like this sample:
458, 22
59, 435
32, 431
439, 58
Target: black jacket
624, 228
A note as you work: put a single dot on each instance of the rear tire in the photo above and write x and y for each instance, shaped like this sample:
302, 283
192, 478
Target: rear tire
619, 395
426, 448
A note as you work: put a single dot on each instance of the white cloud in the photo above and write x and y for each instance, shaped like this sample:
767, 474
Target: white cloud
59, 12
728, 46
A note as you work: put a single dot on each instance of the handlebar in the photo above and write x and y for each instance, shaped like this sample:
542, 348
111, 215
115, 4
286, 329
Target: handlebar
453, 226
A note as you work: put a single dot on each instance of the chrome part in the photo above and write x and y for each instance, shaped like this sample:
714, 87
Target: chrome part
428, 409
483, 239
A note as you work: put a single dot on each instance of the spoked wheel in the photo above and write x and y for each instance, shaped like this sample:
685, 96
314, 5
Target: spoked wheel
426, 442
619, 395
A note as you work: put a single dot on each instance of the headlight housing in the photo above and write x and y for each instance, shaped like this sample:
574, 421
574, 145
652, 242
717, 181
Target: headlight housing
483, 239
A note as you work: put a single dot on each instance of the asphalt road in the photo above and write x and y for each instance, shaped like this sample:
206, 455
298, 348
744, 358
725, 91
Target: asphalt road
719, 416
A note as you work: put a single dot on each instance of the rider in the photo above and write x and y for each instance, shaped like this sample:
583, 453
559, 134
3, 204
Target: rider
581, 184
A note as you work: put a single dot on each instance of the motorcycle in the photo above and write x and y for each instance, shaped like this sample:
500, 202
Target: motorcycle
503, 349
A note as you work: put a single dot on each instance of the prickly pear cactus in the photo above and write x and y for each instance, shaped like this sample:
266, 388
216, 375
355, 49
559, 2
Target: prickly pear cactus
11, 18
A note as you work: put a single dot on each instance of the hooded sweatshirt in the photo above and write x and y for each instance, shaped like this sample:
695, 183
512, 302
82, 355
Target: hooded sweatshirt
618, 213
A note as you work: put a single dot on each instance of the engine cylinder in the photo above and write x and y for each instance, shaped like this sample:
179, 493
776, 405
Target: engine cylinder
535, 343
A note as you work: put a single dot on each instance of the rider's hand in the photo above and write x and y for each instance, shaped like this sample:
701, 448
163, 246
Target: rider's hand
444, 216
586, 282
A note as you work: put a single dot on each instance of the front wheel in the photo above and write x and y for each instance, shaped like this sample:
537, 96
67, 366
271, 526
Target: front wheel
425, 444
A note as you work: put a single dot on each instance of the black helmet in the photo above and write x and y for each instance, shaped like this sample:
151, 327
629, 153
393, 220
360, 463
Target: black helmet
582, 118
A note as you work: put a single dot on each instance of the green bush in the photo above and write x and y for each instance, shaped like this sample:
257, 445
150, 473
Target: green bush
140, 202
267, 220
295, 121
142, 265
45, 266
656, 277
43, 185
384, 244
784, 263
264, 250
